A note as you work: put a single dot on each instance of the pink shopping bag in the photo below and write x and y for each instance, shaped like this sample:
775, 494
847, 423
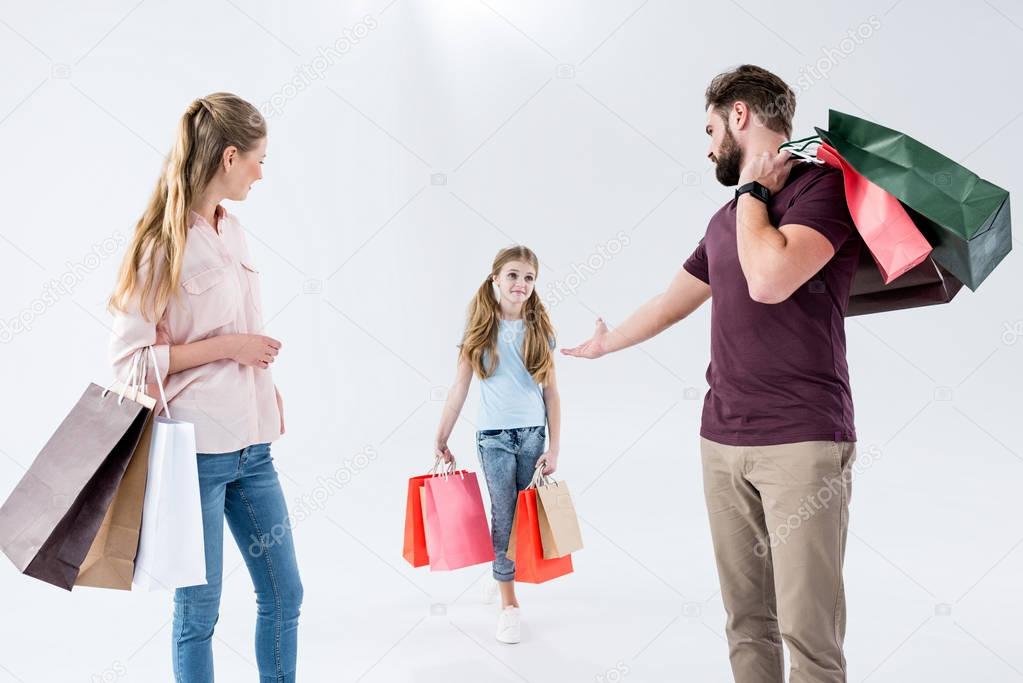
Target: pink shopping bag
456, 525
889, 233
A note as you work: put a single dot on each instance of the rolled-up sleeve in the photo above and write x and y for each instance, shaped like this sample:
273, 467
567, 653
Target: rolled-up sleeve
131, 332
697, 265
821, 205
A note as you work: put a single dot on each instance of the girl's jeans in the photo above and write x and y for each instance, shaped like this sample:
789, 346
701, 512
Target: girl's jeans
243, 487
508, 458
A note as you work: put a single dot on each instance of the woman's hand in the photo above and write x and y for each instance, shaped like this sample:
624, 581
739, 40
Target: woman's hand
549, 460
594, 348
256, 350
441, 452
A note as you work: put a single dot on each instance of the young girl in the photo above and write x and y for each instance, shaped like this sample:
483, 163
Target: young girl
188, 287
508, 343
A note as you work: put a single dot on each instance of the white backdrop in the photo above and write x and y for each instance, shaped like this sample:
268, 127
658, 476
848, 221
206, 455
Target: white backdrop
432, 135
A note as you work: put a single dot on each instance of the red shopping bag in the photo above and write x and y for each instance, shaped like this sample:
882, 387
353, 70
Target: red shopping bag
886, 228
414, 550
454, 521
525, 547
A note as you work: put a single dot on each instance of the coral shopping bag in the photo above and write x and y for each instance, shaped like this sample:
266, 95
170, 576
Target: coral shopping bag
525, 547
893, 239
414, 549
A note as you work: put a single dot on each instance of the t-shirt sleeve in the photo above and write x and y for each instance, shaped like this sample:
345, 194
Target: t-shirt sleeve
822, 206
696, 264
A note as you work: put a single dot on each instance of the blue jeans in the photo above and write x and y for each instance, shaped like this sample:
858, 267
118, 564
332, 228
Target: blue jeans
508, 458
243, 487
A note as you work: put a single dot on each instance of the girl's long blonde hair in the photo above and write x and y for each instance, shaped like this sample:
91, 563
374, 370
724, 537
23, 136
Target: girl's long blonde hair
210, 125
479, 342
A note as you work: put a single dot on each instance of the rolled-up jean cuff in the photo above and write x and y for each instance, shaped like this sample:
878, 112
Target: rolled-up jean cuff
504, 577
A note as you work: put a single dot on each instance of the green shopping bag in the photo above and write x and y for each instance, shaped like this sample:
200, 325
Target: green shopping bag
964, 217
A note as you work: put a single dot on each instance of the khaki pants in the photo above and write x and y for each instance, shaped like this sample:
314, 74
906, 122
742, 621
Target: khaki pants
778, 519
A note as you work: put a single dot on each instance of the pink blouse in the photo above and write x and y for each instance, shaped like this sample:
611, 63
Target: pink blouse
231, 405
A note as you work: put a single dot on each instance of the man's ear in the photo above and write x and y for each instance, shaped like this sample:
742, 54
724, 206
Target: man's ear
739, 116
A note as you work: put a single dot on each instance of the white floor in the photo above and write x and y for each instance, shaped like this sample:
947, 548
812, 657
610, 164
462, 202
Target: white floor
932, 573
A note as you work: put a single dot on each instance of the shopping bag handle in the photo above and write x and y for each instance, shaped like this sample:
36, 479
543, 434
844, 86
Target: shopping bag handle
442, 467
131, 382
445, 469
800, 149
160, 381
540, 479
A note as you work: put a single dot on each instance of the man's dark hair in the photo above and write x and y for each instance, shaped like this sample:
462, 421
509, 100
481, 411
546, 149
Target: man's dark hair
768, 97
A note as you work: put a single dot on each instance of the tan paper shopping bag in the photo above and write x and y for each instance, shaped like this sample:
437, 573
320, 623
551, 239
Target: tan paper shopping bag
110, 562
559, 525
50, 520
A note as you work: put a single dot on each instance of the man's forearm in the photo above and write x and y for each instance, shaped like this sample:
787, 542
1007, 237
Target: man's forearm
761, 245
645, 322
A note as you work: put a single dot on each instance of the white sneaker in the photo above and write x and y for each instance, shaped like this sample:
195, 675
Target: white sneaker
490, 591
509, 629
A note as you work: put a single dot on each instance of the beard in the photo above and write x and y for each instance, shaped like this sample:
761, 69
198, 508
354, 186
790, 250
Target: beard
728, 161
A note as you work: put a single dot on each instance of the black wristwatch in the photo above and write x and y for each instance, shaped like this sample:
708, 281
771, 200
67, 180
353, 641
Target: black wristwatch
755, 189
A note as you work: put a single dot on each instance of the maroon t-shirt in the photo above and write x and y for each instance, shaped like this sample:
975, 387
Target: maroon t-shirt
778, 372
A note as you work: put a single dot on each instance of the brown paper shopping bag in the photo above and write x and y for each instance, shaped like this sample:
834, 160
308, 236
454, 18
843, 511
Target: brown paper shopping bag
559, 525
50, 520
110, 562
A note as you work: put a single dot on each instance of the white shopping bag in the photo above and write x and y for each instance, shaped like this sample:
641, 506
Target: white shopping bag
172, 550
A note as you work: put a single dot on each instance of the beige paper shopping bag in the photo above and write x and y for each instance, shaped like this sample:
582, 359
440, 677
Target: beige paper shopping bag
510, 553
110, 562
559, 525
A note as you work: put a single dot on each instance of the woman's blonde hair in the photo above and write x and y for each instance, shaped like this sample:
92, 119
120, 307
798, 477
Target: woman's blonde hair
210, 125
479, 342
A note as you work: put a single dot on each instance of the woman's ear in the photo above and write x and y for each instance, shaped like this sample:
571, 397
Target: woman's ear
227, 158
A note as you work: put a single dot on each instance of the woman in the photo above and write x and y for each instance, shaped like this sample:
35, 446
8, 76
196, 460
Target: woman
188, 287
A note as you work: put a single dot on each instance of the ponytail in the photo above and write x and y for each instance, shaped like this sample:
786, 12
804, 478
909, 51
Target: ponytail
209, 126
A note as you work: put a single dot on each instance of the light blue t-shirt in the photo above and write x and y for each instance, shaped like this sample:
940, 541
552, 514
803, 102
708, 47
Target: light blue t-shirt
510, 398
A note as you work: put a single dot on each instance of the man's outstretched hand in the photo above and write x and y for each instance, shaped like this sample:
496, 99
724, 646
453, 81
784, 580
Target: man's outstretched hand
595, 347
